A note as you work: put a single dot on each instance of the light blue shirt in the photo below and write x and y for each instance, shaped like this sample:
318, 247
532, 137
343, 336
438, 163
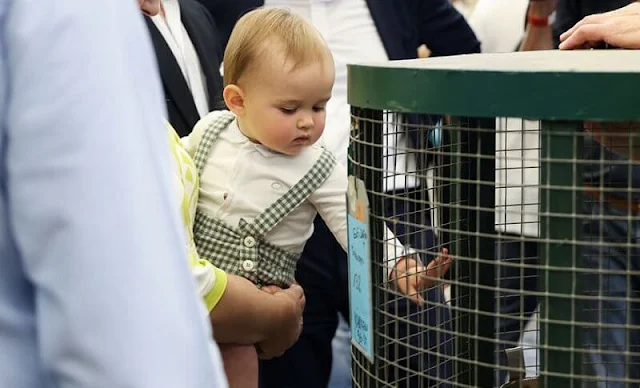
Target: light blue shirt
94, 286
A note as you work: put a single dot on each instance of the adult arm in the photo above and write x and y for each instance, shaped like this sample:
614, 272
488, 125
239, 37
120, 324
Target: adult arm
540, 37
247, 315
571, 12
91, 207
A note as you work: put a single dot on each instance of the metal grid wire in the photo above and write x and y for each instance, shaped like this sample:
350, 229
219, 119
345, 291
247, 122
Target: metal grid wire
543, 221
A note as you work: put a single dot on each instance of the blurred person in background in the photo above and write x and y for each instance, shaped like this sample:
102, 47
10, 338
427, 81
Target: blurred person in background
94, 286
499, 24
607, 346
505, 26
465, 7
611, 199
188, 49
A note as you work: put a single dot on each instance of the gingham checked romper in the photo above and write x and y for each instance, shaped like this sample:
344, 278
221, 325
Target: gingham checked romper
243, 250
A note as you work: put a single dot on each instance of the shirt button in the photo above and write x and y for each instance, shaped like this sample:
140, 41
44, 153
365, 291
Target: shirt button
249, 242
247, 265
276, 185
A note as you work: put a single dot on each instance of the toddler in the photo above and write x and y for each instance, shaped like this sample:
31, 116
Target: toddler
263, 175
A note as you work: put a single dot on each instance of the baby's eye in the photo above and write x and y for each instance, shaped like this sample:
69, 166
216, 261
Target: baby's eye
288, 110
318, 108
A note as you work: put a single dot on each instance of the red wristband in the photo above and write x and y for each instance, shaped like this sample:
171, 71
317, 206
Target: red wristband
537, 22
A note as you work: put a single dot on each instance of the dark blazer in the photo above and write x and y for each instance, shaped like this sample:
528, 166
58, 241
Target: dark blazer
204, 35
227, 12
403, 25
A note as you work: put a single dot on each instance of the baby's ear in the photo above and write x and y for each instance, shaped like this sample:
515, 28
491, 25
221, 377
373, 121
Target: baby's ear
234, 99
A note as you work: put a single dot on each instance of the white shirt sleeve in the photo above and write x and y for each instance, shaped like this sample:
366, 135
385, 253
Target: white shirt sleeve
330, 201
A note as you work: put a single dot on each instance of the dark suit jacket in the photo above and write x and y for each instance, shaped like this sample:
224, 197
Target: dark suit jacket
204, 35
227, 12
402, 25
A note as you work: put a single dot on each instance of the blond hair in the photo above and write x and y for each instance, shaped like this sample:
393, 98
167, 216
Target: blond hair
298, 40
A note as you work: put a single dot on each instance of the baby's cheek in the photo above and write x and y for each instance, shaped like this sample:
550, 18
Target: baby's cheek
320, 124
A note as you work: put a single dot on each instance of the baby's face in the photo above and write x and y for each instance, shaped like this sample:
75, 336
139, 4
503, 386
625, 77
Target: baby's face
285, 108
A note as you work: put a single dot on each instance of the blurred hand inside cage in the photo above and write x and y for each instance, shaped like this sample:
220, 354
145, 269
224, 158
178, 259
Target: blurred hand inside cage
411, 278
622, 138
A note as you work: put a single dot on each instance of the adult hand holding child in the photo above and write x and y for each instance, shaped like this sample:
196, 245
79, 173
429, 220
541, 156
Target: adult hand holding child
283, 337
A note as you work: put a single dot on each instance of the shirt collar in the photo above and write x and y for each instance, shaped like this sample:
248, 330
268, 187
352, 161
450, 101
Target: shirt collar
234, 134
237, 137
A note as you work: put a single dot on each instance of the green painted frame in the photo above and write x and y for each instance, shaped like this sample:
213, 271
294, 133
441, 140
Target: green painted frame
552, 85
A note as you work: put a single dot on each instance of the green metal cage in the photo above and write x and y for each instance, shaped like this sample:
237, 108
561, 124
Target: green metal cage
525, 167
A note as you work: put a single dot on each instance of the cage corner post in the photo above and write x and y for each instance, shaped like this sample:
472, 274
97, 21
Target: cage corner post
367, 150
560, 232
471, 211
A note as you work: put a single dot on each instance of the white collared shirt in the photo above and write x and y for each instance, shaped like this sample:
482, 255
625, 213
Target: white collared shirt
517, 176
499, 24
241, 179
177, 38
351, 34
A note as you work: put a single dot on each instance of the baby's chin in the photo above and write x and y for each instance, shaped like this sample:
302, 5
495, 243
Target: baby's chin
293, 151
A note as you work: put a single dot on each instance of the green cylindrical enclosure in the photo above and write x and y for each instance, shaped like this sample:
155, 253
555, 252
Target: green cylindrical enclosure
524, 166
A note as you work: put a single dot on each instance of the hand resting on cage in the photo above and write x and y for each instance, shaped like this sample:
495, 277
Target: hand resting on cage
618, 28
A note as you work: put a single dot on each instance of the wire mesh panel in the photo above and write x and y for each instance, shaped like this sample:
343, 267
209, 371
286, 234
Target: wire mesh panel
524, 168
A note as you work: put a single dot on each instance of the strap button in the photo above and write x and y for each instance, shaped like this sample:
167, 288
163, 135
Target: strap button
249, 242
248, 265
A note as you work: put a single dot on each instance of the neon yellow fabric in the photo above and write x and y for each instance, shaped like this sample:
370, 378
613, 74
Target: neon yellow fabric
210, 280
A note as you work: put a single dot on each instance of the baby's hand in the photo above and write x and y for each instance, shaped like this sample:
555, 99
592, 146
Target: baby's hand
411, 277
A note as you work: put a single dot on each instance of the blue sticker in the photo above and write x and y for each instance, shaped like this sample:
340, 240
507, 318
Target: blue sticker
360, 297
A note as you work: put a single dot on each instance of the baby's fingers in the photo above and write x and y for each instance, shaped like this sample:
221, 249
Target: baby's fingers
440, 265
410, 285
271, 289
